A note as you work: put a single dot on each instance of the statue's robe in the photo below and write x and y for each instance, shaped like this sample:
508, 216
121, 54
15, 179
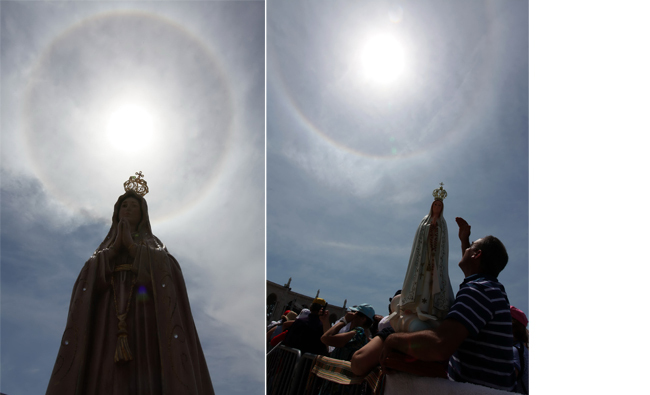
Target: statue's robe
161, 336
426, 293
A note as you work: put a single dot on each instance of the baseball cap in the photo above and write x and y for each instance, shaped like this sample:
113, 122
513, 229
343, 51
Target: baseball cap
365, 309
320, 301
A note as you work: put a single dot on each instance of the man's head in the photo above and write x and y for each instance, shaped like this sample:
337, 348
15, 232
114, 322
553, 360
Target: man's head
317, 305
390, 307
487, 255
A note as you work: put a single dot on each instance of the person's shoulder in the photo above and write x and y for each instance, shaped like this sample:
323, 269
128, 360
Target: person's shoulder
485, 282
480, 289
475, 282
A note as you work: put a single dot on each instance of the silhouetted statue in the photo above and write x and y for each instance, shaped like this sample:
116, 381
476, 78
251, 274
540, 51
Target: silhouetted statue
130, 329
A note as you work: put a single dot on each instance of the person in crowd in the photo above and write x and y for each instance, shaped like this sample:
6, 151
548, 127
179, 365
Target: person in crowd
270, 329
346, 344
385, 322
520, 348
367, 357
305, 333
304, 313
287, 320
374, 328
476, 336
273, 324
360, 319
346, 328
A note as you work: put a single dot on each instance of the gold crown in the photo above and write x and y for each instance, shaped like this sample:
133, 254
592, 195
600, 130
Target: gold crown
439, 194
137, 185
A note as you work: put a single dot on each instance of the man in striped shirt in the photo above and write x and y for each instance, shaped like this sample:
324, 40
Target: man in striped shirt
476, 335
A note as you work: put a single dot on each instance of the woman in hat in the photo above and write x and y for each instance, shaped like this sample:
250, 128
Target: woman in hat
346, 344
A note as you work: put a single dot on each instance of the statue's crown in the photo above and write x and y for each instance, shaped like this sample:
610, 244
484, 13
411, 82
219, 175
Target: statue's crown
439, 193
137, 185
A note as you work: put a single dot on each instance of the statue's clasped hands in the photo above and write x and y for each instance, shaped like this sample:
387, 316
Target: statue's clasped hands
123, 240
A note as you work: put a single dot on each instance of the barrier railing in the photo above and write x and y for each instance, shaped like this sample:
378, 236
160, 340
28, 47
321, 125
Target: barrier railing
301, 374
280, 364
290, 373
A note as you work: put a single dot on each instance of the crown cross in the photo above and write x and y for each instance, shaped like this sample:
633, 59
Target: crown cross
137, 185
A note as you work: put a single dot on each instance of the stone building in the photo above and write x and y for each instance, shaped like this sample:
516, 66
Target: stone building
280, 298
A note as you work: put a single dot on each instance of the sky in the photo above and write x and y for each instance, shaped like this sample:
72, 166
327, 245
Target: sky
94, 92
354, 153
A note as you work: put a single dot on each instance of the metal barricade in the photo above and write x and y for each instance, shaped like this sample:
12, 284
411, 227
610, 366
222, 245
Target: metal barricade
301, 374
290, 373
280, 365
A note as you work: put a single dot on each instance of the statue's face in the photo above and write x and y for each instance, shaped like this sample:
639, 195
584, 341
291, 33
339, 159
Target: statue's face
130, 209
436, 207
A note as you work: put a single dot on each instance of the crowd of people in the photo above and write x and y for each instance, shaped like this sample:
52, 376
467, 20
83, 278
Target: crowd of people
479, 338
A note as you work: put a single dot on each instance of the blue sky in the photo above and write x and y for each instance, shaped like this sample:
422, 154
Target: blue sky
192, 74
352, 161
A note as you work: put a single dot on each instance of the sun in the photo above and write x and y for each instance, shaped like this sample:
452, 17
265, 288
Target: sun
383, 59
129, 127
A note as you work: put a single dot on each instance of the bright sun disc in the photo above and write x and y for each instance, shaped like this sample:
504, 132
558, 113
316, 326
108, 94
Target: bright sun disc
383, 59
129, 128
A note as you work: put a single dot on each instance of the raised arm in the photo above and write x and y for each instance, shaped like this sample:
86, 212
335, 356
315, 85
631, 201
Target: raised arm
464, 230
335, 339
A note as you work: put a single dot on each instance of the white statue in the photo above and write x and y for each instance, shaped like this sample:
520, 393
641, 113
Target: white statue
426, 294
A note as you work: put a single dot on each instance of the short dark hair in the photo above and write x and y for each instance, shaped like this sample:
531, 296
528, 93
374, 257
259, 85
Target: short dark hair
494, 256
315, 308
368, 321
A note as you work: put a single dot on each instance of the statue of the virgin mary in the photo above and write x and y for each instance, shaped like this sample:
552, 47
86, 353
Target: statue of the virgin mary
130, 329
426, 293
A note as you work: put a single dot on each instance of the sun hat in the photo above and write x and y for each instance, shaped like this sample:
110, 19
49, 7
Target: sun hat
365, 309
291, 315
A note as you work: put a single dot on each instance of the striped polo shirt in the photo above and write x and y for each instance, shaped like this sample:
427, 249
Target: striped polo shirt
485, 357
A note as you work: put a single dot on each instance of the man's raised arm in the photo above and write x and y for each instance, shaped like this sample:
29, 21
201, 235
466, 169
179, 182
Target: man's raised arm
464, 231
